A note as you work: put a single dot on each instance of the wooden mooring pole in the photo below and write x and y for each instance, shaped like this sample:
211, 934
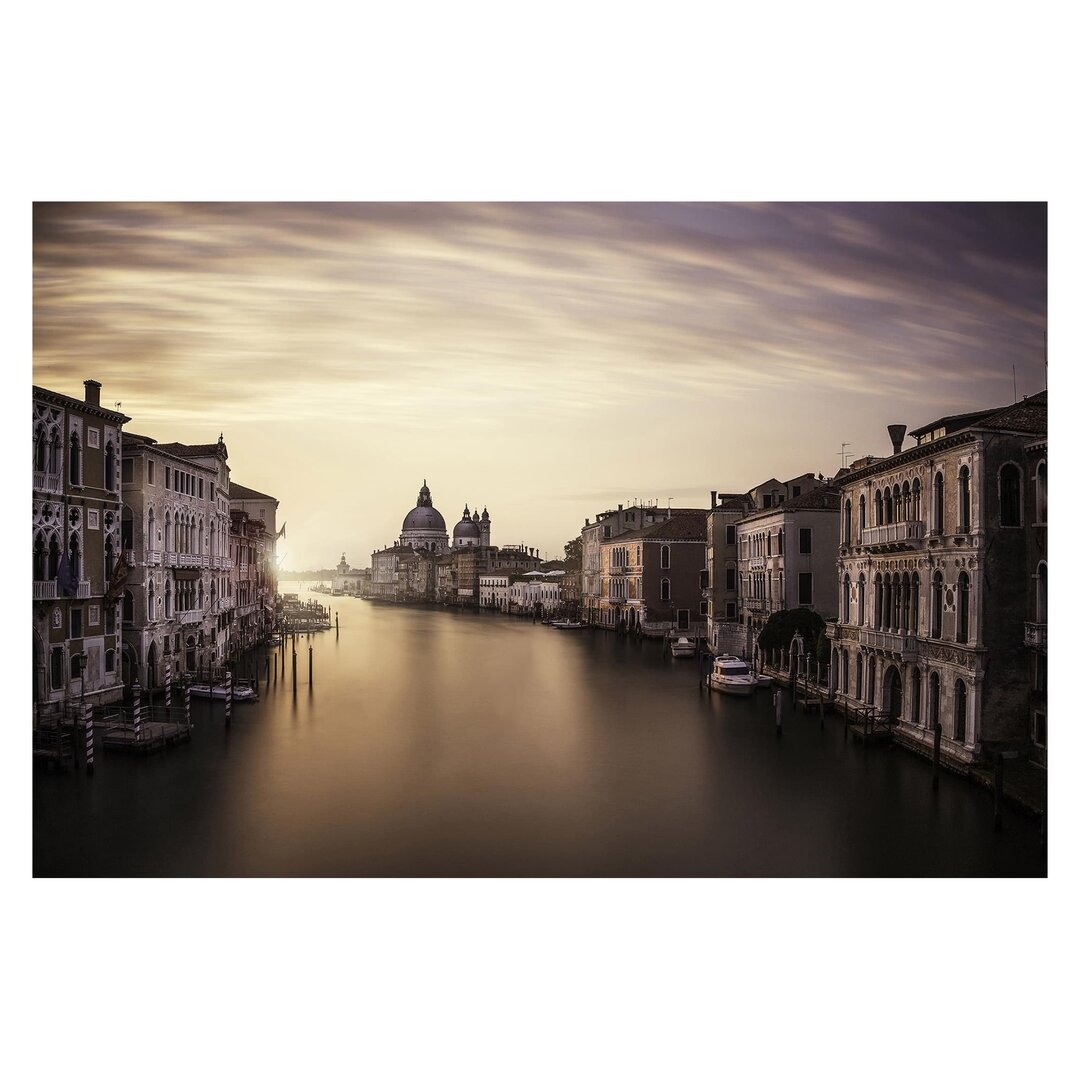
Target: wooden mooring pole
778, 700
228, 699
999, 789
937, 754
294, 673
88, 720
310, 667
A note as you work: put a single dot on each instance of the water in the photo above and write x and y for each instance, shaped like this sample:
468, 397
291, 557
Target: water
444, 743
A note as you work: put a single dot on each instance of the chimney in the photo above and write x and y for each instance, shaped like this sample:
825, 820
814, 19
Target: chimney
896, 433
713, 500
93, 392
620, 506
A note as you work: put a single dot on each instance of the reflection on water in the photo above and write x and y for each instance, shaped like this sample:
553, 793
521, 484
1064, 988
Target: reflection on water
442, 743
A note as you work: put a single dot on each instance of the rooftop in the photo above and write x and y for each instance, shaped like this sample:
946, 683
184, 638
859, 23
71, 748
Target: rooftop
821, 498
238, 491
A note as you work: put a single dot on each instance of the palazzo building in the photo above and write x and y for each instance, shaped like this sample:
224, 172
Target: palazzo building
78, 558
941, 570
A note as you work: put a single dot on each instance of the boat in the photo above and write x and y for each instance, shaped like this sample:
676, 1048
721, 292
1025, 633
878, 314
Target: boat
566, 624
683, 647
217, 692
730, 675
762, 680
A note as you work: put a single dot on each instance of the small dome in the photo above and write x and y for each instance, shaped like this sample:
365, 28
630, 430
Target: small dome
484, 515
466, 527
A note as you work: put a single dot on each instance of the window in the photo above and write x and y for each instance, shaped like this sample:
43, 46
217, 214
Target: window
796, 491
75, 461
731, 533
871, 678
936, 605
149, 471
1041, 594
916, 500
847, 521
607, 532
76, 666
200, 487
168, 477
704, 608
110, 660
665, 557
211, 490
768, 543
933, 717
862, 512
731, 610
962, 609
1038, 729
858, 677
964, 500
960, 712
76, 622
1010, 496
1040, 494
804, 541
939, 503
845, 598
767, 501
861, 600
916, 688
56, 667
729, 579
665, 588
879, 513
683, 617
780, 542
806, 588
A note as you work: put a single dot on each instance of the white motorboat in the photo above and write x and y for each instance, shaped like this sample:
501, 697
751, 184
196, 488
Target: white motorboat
217, 692
730, 675
566, 624
762, 680
683, 647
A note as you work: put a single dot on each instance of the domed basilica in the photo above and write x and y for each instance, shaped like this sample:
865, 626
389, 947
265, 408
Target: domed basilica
425, 529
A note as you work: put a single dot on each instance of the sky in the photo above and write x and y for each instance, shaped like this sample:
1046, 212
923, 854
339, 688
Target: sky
546, 361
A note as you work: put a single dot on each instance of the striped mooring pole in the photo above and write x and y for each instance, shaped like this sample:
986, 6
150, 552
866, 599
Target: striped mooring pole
88, 720
187, 707
137, 711
168, 687
228, 698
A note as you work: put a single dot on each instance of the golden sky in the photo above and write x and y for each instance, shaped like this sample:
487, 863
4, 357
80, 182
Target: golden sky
546, 361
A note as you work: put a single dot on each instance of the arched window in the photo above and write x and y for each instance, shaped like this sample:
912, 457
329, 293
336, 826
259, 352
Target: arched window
934, 701
916, 500
1009, 481
665, 588
39, 448
964, 500
888, 507
128, 615
879, 513
110, 556
936, 602
862, 512
847, 521
110, 466
665, 557
858, 677
904, 591
1041, 594
896, 608
150, 535
905, 514
916, 694
962, 609
168, 532
40, 560
75, 556
871, 675
861, 600
74, 461
845, 598
54, 557
845, 668
878, 596
913, 618
150, 611
960, 711
1040, 493
939, 503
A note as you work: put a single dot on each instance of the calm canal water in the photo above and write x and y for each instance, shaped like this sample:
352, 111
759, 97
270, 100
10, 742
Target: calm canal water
441, 743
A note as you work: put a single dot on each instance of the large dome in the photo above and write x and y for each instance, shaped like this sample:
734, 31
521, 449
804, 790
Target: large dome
423, 517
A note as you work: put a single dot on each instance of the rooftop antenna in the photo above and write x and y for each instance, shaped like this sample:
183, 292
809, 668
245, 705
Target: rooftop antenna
844, 454
1014, 384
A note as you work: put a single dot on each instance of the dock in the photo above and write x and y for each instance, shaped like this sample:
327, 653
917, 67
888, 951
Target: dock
158, 728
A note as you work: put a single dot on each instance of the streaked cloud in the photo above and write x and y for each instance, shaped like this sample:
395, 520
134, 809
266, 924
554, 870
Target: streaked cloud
645, 346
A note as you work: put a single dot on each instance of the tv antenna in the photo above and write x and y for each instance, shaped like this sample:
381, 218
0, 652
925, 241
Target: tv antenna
844, 454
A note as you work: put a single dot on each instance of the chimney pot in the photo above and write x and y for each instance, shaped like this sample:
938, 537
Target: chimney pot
713, 500
896, 433
93, 391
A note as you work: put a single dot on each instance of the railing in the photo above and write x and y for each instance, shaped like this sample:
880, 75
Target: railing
46, 481
169, 558
617, 570
84, 590
1035, 635
186, 617
898, 532
153, 558
44, 590
895, 641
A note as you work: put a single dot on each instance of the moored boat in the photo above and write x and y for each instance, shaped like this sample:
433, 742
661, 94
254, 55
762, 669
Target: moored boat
566, 624
730, 675
217, 692
683, 647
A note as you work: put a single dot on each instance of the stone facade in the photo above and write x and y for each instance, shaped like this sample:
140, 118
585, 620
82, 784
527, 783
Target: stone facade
78, 554
936, 547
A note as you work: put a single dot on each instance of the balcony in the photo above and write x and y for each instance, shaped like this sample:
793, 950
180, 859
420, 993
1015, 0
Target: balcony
899, 642
617, 571
46, 481
899, 534
84, 591
186, 618
1034, 635
44, 590
169, 558
153, 558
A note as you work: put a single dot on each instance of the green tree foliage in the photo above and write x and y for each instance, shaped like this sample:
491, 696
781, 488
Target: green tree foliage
783, 625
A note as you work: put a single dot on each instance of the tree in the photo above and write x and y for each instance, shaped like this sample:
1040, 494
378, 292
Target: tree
783, 625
